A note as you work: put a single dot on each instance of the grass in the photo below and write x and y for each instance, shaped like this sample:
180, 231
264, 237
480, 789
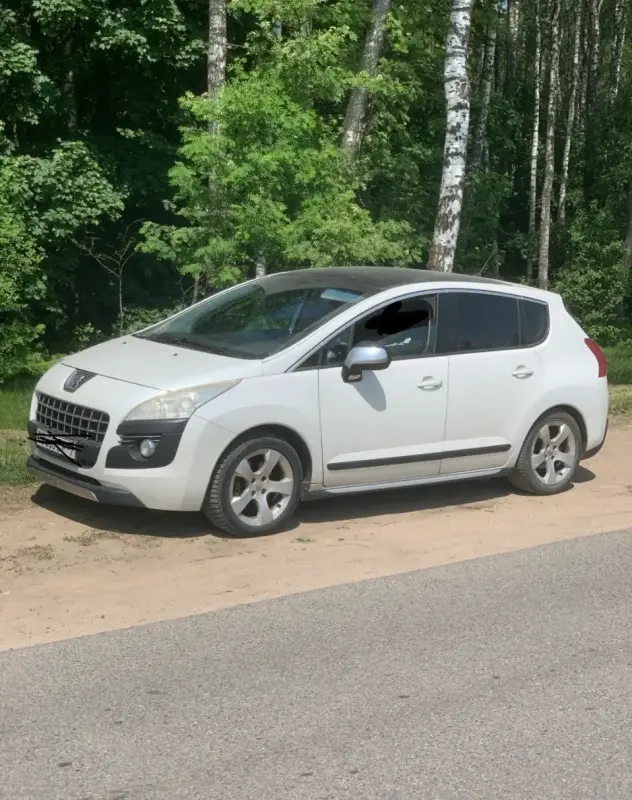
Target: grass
619, 365
15, 402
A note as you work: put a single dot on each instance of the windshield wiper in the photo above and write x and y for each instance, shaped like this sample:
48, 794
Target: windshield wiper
184, 341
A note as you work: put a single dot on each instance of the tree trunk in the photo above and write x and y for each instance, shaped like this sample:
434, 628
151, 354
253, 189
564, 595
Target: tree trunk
260, 267
215, 74
358, 99
277, 29
217, 47
594, 15
570, 120
628, 237
583, 89
511, 47
487, 79
70, 87
457, 93
549, 152
535, 145
619, 42
120, 303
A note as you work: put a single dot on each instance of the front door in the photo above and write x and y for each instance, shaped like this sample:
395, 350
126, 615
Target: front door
388, 427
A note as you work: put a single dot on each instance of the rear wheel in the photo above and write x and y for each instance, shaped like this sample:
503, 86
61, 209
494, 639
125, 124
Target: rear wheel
549, 457
256, 488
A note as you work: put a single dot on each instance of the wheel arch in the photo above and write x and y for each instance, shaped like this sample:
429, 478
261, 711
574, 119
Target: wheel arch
575, 414
284, 432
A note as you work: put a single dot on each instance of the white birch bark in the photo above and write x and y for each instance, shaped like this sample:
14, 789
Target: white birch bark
620, 25
217, 47
628, 235
570, 120
487, 80
513, 35
535, 145
549, 151
215, 73
594, 7
358, 99
457, 93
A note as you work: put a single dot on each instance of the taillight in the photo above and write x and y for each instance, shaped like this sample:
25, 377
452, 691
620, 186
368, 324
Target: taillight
602, 362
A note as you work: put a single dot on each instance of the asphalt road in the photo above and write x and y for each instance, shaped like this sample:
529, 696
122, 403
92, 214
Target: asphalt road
506, 677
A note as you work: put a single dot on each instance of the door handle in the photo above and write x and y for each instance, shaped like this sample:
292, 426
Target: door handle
522, 372
429, 384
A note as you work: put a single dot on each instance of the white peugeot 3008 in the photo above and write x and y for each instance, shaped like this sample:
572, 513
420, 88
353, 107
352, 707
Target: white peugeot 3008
321, 382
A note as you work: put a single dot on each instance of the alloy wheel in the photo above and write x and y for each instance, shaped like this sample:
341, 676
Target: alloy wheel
261, 487
554, 452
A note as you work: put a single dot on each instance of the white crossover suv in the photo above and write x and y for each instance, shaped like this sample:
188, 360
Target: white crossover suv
320, 382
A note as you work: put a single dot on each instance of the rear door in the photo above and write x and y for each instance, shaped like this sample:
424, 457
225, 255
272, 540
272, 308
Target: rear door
496, 375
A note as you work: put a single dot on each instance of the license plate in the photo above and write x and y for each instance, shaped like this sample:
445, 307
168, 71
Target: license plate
55, 445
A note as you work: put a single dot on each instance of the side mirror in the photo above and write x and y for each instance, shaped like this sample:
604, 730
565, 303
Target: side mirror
372, 357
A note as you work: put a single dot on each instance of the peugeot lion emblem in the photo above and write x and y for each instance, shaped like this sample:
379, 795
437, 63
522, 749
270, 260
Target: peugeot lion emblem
76, 379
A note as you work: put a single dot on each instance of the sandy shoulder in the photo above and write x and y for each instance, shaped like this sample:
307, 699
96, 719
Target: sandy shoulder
69, 568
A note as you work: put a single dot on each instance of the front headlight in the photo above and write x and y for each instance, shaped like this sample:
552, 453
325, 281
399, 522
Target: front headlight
180, 404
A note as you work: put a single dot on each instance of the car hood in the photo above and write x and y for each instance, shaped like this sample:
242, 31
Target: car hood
160, 366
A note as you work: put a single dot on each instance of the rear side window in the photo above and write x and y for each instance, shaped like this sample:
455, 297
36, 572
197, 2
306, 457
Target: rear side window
471, 322
534, 322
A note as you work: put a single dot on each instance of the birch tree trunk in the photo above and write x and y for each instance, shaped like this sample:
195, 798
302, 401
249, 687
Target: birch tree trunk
217, 47
535, 145
487, 80
628, 236
591, 139
549, 152
260, 267
583, 89
594, 7
215, 73
619, 41
457, 94
512, 44
358, 99
570, 120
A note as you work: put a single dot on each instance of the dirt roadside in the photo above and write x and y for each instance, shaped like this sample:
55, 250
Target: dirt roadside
69, 568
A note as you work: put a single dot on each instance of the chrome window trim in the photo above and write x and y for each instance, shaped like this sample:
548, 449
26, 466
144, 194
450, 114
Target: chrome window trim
296, 367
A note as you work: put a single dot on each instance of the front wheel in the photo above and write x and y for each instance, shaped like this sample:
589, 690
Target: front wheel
549, 457
256, 488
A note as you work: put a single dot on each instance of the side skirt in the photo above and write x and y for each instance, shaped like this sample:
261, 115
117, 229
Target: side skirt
320, 492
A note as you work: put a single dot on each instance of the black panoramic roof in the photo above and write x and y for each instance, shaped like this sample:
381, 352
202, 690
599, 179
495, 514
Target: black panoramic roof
366, 280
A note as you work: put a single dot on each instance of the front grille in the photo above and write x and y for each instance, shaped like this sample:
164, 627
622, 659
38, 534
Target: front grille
70, 419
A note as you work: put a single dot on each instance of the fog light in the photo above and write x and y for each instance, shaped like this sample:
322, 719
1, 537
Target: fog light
147, 448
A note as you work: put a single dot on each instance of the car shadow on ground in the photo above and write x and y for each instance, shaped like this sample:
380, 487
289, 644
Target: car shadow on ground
168, 524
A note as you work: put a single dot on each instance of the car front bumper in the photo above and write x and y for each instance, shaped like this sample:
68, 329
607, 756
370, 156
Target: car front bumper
76, 484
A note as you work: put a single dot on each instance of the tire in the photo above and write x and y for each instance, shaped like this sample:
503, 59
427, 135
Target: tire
239, 501
537, 469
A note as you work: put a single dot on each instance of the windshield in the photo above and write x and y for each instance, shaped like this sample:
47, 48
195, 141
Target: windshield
255, 320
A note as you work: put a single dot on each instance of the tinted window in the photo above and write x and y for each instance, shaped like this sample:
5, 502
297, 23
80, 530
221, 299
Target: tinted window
534, 322
405, 327
470, 322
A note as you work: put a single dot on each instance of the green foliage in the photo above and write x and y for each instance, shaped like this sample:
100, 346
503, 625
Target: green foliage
104, 129
594, 282
260, 178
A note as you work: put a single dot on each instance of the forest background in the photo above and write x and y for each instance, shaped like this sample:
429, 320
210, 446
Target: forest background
155, 151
